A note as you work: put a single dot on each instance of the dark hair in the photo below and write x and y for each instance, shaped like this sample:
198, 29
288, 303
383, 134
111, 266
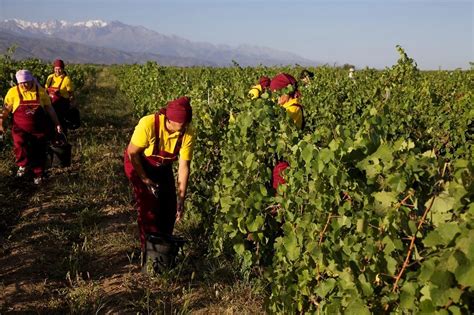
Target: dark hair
306, 73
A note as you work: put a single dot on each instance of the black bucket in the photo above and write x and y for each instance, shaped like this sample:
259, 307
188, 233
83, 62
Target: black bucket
160, 252
59, 152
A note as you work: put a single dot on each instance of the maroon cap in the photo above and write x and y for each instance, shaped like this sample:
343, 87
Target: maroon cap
58, 63
179, 110
281, 81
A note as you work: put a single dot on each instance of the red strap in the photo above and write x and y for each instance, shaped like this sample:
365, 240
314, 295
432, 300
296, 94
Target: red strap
51, 81
160, 154
61, 83
156, 147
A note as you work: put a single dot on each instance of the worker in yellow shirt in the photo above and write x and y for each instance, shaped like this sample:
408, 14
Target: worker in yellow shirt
257, 90
285, 87
61, 92
158, 140
31, 127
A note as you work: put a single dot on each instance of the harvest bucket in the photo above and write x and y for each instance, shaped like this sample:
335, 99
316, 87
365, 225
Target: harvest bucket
59, 152
160, 252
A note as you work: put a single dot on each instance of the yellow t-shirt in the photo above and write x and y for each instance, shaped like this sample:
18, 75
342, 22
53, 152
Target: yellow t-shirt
144, 137
66, 86
295, 112
255, 91
12, 99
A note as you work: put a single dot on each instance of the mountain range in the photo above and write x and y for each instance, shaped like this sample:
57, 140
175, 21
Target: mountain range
101, 42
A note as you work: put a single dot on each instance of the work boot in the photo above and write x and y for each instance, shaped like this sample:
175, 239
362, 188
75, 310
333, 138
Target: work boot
21, 171
38, 180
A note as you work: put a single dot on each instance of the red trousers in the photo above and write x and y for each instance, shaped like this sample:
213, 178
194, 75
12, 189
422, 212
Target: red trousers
277, 178
155, 215
30, 150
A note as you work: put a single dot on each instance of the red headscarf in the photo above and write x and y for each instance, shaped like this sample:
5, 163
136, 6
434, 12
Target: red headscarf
264, 82
281, 81
58, 63
179, 110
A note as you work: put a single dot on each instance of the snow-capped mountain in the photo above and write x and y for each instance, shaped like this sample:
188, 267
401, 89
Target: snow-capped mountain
138, 39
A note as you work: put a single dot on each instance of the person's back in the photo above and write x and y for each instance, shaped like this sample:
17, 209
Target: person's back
286, 87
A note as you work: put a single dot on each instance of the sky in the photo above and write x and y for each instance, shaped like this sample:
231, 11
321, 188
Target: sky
437, 34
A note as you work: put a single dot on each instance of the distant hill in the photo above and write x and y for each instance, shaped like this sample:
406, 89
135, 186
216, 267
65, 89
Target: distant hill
115, 42
52, 48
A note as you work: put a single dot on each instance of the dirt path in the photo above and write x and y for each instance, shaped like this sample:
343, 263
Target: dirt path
70, 245
70, 238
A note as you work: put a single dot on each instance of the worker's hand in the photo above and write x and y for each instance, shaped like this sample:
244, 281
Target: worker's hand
149, 182
179, 209
151, 185
59, 129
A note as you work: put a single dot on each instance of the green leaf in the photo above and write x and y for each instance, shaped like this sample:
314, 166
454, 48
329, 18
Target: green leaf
465, 274
426, 293
249, 160
448, 231
357, 307
326, 155
433, 239
225, 203
407, 301
440, 208
466, 245
397, 183
360, 225
365, 286
239, 248
291, 246
426, 307
389, 245
370, 166
307, 154
455, 310
443, 279
227, 182
256, 224
427, 269
439, 297
384, 153
325, 287
384, 200
391, 264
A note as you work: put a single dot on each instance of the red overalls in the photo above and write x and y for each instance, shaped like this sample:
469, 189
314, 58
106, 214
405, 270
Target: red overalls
29, 132
277, 178
60, 104
155, 215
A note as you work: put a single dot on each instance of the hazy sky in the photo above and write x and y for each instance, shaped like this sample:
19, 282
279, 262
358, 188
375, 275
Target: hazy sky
364, 33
